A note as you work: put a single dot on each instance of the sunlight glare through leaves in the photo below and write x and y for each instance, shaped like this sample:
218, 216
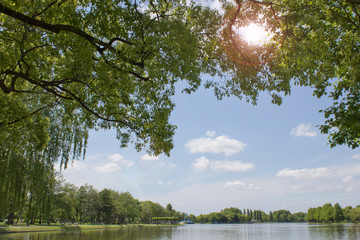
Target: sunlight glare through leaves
254, 34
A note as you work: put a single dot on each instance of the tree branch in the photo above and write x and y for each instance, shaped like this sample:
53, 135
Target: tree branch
44, 85
57, 28
353, 1
29, 115
45, 9
84, 106
72, 96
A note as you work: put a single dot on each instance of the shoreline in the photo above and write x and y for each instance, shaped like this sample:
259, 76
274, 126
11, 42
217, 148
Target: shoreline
56, 228
4, 229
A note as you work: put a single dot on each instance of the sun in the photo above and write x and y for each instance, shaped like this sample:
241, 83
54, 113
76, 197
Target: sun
254, 34
251, 33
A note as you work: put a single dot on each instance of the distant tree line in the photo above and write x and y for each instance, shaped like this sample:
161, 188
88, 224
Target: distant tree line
66, 203
324, 214
56, 201
236, 215
333, 214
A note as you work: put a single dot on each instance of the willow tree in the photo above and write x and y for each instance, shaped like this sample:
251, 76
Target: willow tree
70, 66
114, 64
27, 164
101, 64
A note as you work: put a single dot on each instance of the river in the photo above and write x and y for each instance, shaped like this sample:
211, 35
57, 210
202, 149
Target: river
279, 231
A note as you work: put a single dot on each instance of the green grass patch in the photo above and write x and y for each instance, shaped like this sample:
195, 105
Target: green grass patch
19, 229
23, 228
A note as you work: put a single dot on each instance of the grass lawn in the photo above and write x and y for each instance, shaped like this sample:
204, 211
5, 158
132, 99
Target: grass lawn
44, 228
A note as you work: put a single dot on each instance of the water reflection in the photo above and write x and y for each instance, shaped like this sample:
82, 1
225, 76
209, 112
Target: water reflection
330, 232
205, 232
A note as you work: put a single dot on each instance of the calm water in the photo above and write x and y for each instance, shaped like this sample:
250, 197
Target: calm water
206, 232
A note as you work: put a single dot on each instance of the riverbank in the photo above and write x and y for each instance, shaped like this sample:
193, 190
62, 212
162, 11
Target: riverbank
52, 228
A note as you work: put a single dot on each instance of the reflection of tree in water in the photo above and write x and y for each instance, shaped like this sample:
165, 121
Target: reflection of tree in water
334, 232
125, 233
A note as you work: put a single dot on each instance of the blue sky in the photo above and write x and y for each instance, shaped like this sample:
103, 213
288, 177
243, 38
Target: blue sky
230, 153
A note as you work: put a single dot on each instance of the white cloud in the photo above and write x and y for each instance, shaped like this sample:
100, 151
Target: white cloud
348, 170
166, 165
356, 156
77, 165
116, 163
148, 157
108, 168
305, 173
233, 166
210, 133
303, 130
349, 189
118, 158
221, 144
348, 179
201, 164
161, 183
241, 185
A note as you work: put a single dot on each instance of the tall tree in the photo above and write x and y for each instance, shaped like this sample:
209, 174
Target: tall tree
150, 210
107, 206
80, 202
92, 206
327, 213
65, 202
338, 213
127, 208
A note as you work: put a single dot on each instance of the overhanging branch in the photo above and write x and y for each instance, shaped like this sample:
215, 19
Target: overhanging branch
57, 28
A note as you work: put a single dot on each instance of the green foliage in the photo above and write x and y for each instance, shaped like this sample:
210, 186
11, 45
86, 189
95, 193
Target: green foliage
150, 210
338, 213
352, 214
65, 203
235, 215
61, 202
314, 44
328, 213
165, 218
114, 64
101, 64
127, 208
70, 66
106, 205
282, 216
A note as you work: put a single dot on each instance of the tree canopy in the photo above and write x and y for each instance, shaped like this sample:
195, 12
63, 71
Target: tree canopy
70, 66
99, 64
314, 44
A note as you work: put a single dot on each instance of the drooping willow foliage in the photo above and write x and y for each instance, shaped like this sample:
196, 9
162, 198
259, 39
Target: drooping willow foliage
27, 172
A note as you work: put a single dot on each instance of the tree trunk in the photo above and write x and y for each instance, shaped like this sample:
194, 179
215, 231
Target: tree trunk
11, 216
28, 218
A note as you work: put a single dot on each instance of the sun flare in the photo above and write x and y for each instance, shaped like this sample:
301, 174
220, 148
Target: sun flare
254, 34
